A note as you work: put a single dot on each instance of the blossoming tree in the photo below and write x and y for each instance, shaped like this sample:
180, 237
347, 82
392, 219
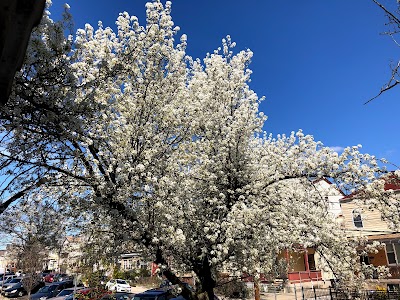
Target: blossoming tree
135, 137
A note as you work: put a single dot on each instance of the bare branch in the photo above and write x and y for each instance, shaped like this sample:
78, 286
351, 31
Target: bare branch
20, 194
384, 89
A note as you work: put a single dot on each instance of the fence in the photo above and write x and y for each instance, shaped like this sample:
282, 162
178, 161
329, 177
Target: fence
364, 295
314, 293
299, 293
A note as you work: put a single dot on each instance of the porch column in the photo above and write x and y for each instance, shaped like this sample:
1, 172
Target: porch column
307, 265
287, 258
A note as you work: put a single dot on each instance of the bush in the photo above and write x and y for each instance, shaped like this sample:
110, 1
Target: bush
93, 279
233, 288
135, 274
153, 281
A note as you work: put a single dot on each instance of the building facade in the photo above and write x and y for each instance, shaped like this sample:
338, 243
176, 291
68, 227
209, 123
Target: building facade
359, 221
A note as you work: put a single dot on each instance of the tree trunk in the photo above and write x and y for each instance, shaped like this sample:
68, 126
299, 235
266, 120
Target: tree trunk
171, 277
207, 282
256, 288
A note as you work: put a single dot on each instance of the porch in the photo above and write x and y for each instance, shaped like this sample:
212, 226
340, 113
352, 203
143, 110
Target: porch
301, 266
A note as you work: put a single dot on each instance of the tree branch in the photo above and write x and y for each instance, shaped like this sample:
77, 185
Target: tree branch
20, 194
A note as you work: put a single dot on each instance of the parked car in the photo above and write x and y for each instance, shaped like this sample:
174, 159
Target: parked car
6, 278
83, 291
50, 291
5, 281
154, 294
118, 285
10, 283
62, 277
49, 277
118, 296
89, 294
66, 292
18, 290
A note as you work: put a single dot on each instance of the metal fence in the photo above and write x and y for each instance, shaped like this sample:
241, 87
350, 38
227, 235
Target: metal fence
337, 294
315, 293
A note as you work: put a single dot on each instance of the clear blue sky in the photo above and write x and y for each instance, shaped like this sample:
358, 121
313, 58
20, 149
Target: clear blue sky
316, 61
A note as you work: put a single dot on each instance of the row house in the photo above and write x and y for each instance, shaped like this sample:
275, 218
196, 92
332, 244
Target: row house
66, 258
131, 261
359, 221
7, 261
303, 264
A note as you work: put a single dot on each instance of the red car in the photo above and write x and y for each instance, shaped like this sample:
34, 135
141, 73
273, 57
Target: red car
49, 278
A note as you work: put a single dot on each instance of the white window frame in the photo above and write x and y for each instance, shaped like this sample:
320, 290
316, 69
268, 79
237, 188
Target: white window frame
396, 258
356, 213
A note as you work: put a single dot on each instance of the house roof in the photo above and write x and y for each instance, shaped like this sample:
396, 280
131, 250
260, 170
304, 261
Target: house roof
324, 179
392, 182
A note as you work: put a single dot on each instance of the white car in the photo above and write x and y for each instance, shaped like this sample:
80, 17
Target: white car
118, 285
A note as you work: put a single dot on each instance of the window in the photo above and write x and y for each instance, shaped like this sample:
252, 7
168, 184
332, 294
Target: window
393, 287
119, 281
393, 253
127, 264
357, 219
365, 259
311, 262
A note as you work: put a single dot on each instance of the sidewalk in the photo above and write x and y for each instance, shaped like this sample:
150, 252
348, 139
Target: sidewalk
19, 298
139, 289
298, 295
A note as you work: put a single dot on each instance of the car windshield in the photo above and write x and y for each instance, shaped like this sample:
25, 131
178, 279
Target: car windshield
15, 280
145, 297
121, 281
44, 289
70, 297
119, 297
65, 292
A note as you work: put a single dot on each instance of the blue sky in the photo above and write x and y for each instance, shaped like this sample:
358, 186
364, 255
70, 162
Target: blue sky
316, 61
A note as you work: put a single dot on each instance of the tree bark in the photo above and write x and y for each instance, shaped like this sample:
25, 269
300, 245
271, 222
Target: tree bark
256, 288
171, 277
205, 290
205, 276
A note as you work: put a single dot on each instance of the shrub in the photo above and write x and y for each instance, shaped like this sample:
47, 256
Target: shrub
233, 288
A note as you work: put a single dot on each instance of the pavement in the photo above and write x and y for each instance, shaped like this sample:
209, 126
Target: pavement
20, 298
264, 296
134, 290
139, 289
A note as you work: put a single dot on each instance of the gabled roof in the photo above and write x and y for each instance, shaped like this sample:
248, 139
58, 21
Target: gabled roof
392, 183
324, 179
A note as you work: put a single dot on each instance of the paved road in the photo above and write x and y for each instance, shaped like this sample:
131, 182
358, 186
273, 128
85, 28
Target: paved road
135, 290
20, 298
